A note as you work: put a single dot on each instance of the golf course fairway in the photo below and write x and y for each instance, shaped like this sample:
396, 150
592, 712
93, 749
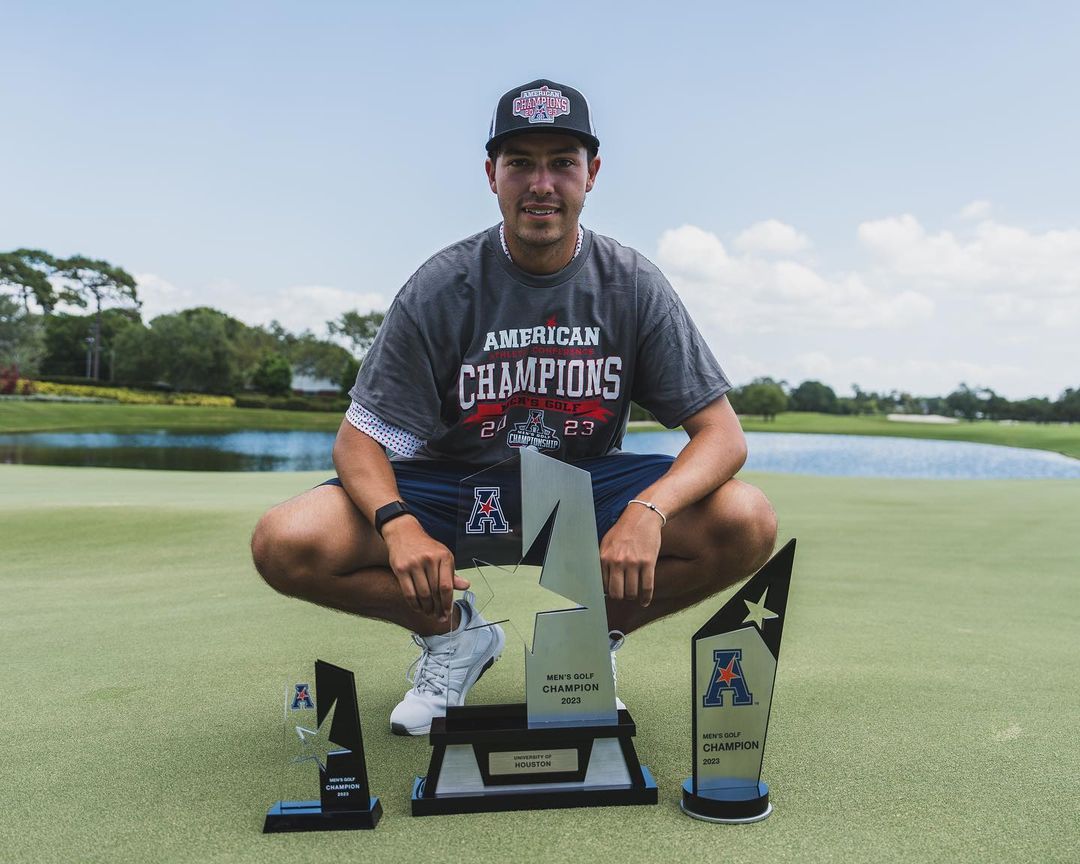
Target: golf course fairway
926, 704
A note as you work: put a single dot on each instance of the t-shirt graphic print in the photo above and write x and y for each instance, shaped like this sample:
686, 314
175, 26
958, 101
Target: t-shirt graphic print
478, 358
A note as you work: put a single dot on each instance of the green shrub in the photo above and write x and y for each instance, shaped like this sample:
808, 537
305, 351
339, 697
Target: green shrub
335, 404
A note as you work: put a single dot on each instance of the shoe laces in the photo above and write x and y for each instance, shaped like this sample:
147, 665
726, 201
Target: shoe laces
430, 672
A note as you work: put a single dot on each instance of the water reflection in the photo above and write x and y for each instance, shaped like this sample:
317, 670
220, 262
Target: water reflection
830, 455
880, 456
174, 451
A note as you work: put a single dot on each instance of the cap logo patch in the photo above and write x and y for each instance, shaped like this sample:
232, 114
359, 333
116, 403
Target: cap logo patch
541, 106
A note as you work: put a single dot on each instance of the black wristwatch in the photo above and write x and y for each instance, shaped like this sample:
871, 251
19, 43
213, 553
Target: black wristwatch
390, 511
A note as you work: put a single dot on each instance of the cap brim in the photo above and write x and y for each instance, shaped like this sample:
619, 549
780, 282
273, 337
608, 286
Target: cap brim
585, 138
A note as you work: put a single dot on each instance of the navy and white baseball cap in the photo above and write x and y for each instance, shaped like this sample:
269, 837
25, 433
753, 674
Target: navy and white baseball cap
542, 106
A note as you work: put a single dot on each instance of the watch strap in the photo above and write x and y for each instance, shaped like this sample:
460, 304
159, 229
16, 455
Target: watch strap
390, 511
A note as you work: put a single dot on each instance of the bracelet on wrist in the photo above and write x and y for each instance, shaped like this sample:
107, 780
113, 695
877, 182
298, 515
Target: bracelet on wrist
651, 506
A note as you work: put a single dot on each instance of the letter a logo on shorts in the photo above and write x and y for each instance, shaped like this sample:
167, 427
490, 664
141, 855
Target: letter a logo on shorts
487, 516
302, 699
727, 675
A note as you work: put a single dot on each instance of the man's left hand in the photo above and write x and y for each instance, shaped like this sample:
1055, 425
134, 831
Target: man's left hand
628, 555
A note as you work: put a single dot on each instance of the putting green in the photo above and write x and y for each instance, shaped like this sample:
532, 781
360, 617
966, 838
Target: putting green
926, 707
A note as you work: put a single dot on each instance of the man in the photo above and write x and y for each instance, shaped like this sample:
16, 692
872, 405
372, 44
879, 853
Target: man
538, 332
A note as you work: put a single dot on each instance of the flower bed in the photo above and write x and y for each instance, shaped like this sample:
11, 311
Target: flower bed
128, 396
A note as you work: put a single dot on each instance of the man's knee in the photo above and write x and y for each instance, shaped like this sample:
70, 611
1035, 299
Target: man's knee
746, 521
755, 524
283, 552
761, 525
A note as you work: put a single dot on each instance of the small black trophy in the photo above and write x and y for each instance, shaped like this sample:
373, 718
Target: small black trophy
733, 658
322, 726
567, 745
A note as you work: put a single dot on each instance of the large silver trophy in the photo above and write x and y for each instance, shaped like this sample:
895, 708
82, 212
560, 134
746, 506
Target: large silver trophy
528, 523
733, 658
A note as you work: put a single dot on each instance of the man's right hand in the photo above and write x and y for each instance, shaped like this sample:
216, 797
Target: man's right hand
424, 567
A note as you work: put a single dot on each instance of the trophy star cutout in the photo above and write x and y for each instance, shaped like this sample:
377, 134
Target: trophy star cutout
757, 612
316, 743
509, 588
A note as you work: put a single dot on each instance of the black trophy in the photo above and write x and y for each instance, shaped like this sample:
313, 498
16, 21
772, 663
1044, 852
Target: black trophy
733, 658
528, 526
322, 728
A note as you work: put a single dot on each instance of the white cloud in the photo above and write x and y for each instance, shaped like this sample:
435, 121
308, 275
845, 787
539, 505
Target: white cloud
815, 365
297, 307
919, 376
301, 307
772, 237
746, 291
975, 211
159, 295
986, 303
990, 257
1017, 310
741, 368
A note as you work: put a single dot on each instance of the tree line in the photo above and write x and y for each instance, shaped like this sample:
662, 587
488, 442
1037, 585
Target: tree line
201, 350
766, 397
207, 351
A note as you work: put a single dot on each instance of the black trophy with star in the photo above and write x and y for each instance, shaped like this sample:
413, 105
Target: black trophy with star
322, 734
527, 544
733, 658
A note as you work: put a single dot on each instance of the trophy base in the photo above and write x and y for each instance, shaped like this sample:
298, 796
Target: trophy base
728, 807
310, 816
486, 759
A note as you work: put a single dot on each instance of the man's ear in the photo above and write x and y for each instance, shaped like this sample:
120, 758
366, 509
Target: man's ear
594, 169
489, 168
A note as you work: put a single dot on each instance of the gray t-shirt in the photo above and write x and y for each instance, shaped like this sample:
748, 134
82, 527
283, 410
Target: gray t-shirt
477, 357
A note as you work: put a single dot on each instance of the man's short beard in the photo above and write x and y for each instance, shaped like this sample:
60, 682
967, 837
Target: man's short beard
548, 243
525, 241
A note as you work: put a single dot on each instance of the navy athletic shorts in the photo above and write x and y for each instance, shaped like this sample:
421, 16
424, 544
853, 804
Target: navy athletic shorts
431, 488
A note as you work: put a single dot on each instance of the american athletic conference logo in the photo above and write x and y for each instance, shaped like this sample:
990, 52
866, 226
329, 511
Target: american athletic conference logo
727, 676
542, 105
302, 698
487, 516
533, 433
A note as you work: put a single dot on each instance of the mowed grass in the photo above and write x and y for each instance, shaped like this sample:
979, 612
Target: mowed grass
926, 704
1058, 437
18, 416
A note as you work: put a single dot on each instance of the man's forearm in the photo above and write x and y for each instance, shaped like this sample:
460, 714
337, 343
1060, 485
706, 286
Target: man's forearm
364, 470
702, 467
423, 566
713, 455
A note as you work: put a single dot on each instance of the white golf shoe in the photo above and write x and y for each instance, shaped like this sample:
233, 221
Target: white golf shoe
446, 668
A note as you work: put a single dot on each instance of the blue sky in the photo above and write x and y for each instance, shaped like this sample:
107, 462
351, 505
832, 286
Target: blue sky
886, 194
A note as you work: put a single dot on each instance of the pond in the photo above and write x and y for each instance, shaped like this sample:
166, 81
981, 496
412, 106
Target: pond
828, 455
880, 456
